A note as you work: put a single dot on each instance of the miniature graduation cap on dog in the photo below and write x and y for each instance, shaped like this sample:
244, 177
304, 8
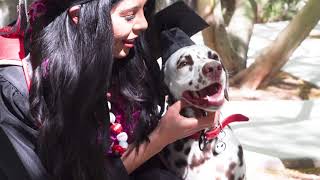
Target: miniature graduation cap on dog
172, 40
176, 16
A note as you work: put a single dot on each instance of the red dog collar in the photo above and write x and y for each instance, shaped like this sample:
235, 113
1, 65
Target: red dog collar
204, 137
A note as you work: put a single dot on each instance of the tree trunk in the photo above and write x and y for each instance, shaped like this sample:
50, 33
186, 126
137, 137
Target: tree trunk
273, 57
205, 10
241, 26
8, 11
161, 4
217, 37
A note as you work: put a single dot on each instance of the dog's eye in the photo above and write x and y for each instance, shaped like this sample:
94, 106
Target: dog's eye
182, 64
185, 61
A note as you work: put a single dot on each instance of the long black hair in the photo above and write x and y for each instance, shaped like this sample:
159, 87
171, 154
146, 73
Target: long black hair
138, 79
72, 66
70, 81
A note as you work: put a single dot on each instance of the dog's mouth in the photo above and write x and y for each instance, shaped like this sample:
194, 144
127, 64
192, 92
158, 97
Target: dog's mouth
209, 98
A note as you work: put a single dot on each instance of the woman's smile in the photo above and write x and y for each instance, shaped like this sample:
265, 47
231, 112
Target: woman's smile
128, 43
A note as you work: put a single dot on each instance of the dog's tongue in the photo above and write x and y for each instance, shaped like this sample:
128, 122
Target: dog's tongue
214, 101
211, 96
211, 101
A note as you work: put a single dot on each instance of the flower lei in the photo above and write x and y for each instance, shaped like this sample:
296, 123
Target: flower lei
120, 143
121, 131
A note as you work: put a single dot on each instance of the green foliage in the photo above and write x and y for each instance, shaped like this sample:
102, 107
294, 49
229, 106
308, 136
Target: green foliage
278, 10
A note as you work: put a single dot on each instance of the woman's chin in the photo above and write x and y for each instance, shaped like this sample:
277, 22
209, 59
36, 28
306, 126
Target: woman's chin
121, 54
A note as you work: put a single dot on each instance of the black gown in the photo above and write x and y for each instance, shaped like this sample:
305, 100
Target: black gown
18, 159
18, 133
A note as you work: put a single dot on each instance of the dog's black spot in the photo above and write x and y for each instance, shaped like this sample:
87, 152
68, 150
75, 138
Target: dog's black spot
242, 177
230, 173
166, 153
187, 150
180, 163
204, 82
185, 140
200, 79
178, 146
197, 86
231, 177
190, 68
190, 83
184, 61
189, 59
240, 154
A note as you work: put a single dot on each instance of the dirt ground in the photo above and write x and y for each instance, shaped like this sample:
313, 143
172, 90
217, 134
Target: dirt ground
289, 174
285, 87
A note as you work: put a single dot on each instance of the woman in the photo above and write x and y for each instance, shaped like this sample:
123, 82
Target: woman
82, 49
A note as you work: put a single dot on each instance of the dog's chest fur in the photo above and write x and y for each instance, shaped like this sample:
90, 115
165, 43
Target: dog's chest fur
221, 159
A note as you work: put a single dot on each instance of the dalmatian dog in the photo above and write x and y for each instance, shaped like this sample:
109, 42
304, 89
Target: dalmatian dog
195, 73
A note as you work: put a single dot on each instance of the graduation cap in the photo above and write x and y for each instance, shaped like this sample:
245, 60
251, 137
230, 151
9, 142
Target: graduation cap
177, 15
172, 40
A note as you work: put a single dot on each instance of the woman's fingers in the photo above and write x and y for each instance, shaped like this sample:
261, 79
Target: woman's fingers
203, 122
174, 126
194, 122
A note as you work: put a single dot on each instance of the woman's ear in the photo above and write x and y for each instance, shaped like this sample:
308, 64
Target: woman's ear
73, 13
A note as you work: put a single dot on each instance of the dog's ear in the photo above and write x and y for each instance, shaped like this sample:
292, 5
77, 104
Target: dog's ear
226, 90
226, 95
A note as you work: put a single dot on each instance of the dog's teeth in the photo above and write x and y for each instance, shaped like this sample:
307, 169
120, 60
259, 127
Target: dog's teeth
207, 97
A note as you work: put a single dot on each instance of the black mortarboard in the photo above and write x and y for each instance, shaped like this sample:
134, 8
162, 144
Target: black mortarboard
177, 15
172, 40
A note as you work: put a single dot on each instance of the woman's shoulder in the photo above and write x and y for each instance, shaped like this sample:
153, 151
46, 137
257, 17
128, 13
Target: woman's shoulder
15, 121
14, 98
12, 80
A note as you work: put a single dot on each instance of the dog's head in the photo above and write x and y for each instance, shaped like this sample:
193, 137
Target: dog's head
195, 73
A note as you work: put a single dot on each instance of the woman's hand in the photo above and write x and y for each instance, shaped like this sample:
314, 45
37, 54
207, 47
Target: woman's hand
174, 126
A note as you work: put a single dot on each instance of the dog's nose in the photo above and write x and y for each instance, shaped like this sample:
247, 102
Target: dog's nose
212, 69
